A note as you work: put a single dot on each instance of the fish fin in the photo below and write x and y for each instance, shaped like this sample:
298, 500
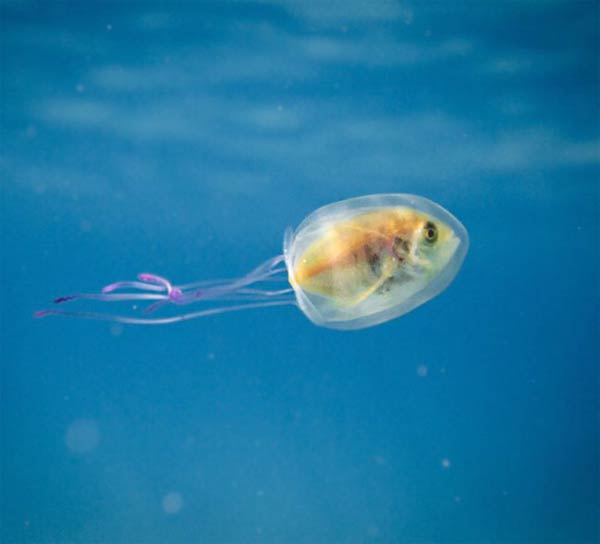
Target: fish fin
386, 273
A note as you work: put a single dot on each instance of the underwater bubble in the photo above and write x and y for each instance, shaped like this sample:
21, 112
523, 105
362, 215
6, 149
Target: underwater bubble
82, 436
379, 460
446, 463
373, 531
422, 371
172, 502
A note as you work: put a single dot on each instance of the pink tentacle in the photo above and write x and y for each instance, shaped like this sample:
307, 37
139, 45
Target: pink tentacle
115, 297
163, 292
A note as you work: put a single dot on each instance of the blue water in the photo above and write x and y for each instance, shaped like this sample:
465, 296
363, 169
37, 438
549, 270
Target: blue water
183, 139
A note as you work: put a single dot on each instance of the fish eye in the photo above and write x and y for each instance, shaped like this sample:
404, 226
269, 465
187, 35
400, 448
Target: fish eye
430, 232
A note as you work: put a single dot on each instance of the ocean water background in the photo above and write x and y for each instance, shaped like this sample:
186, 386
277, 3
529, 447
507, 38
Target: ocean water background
183, 138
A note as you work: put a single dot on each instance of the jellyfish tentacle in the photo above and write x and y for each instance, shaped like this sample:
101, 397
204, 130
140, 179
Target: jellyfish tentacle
267, 293
153, 307
251, 291
111, 297
185, 294
161, 320
60, 300
267, 271
156, 280
132, 285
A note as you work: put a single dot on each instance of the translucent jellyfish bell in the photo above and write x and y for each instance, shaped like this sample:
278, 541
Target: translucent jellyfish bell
350, 265
366, 260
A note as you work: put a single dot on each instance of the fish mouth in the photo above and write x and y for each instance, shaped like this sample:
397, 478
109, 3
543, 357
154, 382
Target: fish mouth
447, 251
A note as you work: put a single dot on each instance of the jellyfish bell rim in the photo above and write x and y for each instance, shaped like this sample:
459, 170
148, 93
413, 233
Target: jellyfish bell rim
338, 211
303, 302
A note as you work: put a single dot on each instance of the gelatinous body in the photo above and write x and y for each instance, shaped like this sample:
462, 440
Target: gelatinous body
367, 260
350, 265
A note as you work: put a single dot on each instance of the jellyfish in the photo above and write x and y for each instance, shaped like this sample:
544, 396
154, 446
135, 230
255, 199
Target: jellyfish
349, 265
